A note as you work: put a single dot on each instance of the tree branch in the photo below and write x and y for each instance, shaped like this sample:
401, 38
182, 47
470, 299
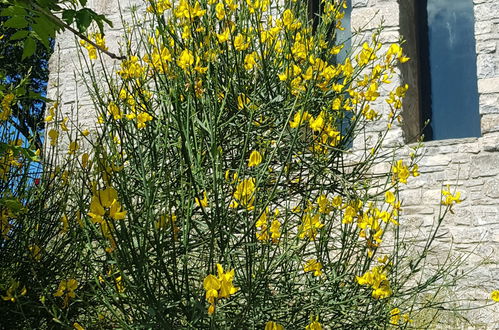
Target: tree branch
64, 25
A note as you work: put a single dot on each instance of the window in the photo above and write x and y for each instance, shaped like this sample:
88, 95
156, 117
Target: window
441, 42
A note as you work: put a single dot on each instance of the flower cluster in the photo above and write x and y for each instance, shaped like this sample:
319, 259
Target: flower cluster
98, 40
313, 265
14, 292
449, 199
377, 279
264, 233
397, 318
66, 290
104, 207
218, 287
400, 171
245, 194
6, 103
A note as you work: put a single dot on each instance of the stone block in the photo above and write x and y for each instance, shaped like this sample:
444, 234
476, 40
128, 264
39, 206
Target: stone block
486, 11
486, 66
489, 123
485, 165
489, 103
486, 47
359, 3
371, 17
482, 28
487, 86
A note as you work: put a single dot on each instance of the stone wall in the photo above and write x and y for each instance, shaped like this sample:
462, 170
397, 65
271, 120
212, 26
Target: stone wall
472, 164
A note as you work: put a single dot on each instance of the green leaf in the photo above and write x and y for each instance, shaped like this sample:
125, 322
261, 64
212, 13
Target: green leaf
44, 30
34, 95
83, 3
16, 22
68, 16
13, 11
20, 91
46, 24
83, 19
29, 47
19, 35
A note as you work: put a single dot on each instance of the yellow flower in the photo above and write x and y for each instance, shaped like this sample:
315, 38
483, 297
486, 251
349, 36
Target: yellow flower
240, 42
400, 172
244, 194
255, 159
142, 119
92, 51
396, 51
6, 110
52, 110
203, 202
160, 7
67, 289
299, 118
495, 295
315, 325
119, 284
186, 59
271, 325
389, 197
35, 252
211, 285
218, 287
262, 226
12, 292
77, 326
317, 124
336, 201
309, 226
131, 68
53, 136
99, 41
115, 211
415, 170
448, 199
73, 147
289, 21
220, 11
242, 101
106, 202
199, 68
184, 10
250, 61
395, 316
313, 265
224, 36
114, 111
275, 230
324, 204
231, 5
226, 278
378, 281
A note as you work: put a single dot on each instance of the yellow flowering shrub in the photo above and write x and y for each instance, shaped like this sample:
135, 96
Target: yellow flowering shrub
225, 138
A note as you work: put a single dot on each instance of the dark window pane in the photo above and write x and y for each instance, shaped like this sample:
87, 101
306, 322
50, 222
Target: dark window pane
452, 64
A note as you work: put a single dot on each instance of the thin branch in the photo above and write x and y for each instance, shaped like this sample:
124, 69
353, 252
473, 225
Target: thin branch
64, 25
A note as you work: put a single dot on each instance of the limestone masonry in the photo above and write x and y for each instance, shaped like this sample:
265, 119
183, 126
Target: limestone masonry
471, 164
